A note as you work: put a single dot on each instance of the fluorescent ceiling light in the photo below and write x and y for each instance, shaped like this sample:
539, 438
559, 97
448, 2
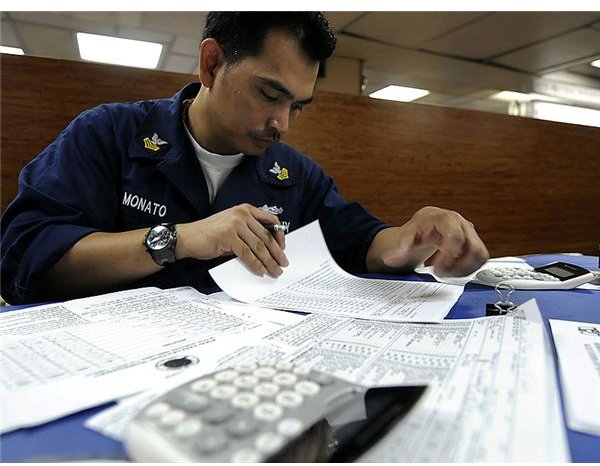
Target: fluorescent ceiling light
399, 93
596, 63
128, 52
11, 50
565, 113
511, 96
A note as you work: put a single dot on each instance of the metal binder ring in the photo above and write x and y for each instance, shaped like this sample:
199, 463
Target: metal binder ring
508, 305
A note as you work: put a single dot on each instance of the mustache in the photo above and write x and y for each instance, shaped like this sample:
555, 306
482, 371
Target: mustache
272, 134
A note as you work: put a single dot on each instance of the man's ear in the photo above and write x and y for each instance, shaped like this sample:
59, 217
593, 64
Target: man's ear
210, 60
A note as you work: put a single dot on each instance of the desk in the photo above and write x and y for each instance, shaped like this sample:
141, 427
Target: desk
67, 438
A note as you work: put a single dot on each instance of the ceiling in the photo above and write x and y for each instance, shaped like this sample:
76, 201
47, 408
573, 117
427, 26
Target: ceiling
461, 57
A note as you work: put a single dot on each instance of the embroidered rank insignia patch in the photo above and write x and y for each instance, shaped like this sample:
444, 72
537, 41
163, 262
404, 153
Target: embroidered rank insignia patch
281, 172
154, 143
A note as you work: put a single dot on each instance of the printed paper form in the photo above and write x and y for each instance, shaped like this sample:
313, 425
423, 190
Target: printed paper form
313, 282
61, 358
578, 348
492, 395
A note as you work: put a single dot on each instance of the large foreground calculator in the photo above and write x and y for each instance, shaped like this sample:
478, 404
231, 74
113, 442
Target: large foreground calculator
266, 412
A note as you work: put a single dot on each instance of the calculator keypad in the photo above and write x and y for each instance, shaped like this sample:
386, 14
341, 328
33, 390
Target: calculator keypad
246, 413
501, 274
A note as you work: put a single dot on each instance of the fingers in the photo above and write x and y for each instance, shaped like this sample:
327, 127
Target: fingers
266, 247
453, 242
461, 252
257, 247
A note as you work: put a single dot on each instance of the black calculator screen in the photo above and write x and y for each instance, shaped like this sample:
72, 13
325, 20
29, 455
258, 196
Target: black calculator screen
559, 272
562, 270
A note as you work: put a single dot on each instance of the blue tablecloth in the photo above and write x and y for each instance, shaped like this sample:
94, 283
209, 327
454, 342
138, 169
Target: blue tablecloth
68, 440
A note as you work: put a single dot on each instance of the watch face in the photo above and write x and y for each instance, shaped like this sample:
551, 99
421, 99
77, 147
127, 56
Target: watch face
158, 238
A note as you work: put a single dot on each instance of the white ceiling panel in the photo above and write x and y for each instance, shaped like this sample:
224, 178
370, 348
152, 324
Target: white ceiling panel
582, 75
409, 28
561, 50
516, 29
181, 64
64, 21
48, 41
186, 46
185, 23
141, 34
120, 18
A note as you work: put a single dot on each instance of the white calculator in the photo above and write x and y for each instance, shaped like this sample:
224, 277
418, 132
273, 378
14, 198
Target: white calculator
554, 276
259, 412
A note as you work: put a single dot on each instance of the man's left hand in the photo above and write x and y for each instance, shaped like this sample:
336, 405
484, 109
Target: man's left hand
459, 249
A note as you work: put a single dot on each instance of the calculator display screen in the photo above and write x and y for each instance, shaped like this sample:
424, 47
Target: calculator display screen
562, 270
561, 273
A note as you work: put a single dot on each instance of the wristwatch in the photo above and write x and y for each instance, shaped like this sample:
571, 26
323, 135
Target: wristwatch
160, 242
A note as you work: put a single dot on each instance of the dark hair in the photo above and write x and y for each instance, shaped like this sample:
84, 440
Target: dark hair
242, 33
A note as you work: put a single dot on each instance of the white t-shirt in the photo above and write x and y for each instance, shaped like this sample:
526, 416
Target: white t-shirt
216, 167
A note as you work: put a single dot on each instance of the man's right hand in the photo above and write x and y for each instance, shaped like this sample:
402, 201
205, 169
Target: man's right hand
239, 230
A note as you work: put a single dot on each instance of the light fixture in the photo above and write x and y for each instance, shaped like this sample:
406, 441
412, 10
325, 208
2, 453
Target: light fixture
596, 63
128, 52
399, 93
565, 113
511, 96
11, 50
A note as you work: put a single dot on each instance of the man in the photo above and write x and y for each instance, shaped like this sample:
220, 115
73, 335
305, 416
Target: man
208, 164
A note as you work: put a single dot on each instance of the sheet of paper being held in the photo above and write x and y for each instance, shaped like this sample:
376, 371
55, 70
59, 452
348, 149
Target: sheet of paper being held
313, 282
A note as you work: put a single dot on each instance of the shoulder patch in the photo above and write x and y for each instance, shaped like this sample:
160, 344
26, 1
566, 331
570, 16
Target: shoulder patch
154, 143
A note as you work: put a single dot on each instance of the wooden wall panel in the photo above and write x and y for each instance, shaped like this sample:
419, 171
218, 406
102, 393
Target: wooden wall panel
529, 186
40, 96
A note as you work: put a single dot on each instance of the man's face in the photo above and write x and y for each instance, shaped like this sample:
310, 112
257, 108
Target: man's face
253, 103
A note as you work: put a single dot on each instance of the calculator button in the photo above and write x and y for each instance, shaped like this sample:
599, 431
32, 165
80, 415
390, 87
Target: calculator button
158, 409
266, 389
245, 367
285, 379
192, 402
242, 427
301, 370
284, 366
307, 387
203, 385
217, 413
223, 392
289, 399
290, 427
245, 381
246, 455
211, 442
188, 428
268, 412
245, 400
171, 418
269, 442
270, 362
265, 372
225, 376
